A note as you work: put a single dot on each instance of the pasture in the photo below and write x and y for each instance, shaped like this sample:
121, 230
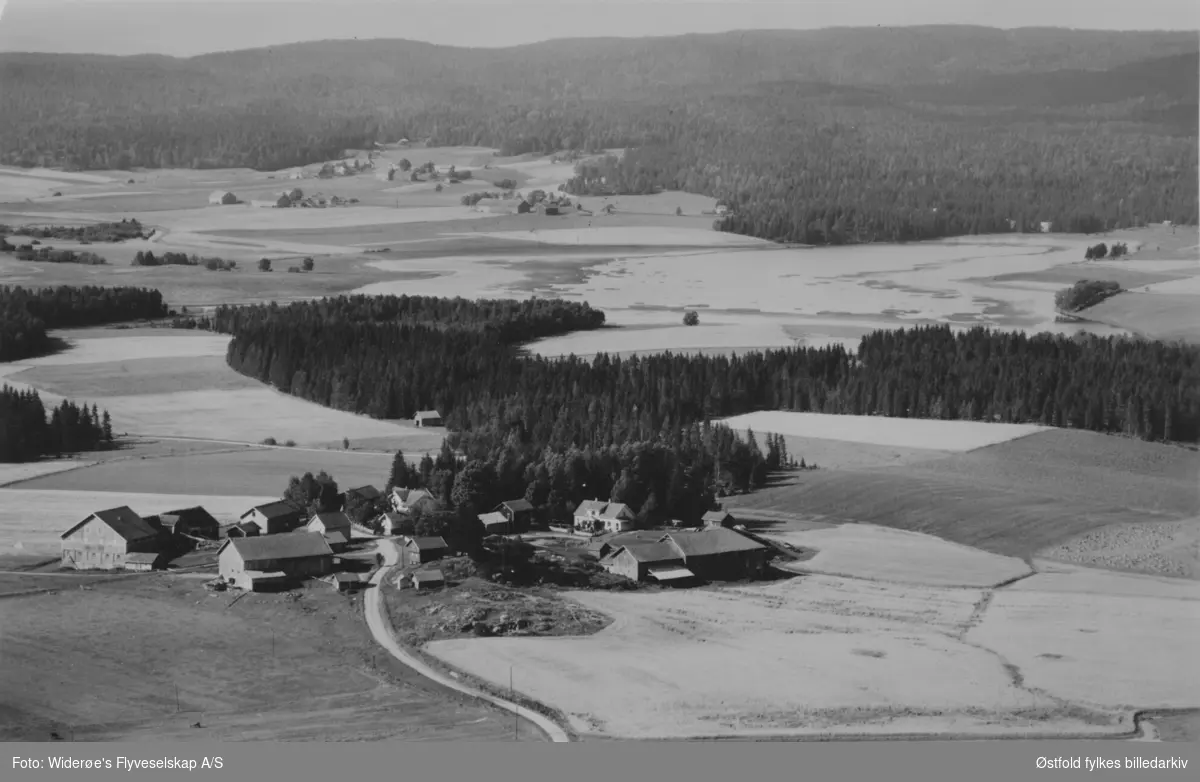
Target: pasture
826, 656
152, 657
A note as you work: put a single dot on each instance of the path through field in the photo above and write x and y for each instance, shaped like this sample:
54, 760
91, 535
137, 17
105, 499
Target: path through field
380, 626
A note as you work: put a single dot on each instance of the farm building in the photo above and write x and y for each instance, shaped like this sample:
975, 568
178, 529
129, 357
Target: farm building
245, 529
408, 500
391, 522
603, 545
418, 551
338, 540
346, 582
518, 512
594, 516
275, 517
428, 418
718, 518
428, 579
222, 198
195, 522
495, 523
523, 207
247, 561
144, 562
296, 175
104, 539
326, 523
1046, 226
715, 553
366, 493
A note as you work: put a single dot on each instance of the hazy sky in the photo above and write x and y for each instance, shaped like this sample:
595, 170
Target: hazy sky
187, 27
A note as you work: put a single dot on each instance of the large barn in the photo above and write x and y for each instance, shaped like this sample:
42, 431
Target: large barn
273, 518
105, 539
245, 561
195, 522
418, 551
714, 553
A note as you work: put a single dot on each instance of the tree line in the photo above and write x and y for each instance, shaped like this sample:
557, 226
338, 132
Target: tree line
26, 314
1084, 294
109, 232
26, 434
390, 356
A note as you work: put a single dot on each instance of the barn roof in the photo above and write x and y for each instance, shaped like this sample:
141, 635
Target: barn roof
296, 545
716, 516
517, 505
196, 515
493, 518
650, 552
716, 540
367, 492
122, 521
428, 414
248, 526
428, 575
335, 520
142, 558
618, 539
670, 573
427, 543
587, 506
337, 536
276, 510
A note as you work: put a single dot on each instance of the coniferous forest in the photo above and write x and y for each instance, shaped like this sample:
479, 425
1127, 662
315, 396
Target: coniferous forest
820, 137
390, 356
26, 434
27, 313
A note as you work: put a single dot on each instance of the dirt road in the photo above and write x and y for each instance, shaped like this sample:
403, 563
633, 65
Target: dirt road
380, 625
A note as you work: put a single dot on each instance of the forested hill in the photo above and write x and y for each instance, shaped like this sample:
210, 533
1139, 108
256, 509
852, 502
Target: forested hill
819, 136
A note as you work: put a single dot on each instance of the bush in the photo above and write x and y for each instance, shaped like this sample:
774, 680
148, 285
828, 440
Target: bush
290, 443
264, 264
1084, 294
269, 441
691, 318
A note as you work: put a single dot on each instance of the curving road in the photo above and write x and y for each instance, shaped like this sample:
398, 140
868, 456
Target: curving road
381, 628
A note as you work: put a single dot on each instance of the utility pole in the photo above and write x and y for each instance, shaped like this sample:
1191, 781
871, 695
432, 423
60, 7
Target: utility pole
510, 697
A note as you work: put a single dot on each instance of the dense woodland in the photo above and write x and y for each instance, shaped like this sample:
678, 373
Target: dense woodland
26, 434
27, 313
95, 232
389, 357
50, 255
816, 137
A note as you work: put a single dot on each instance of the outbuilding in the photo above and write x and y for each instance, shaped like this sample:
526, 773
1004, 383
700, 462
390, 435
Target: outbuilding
195, 522
273, 518
428, 579
428, 418
495, 523
106, 538
242, 561
418, 551
144, 562
326, 523
718, 518
518, 512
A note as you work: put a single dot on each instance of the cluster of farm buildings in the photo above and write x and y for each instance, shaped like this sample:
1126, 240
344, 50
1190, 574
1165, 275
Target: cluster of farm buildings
279, 543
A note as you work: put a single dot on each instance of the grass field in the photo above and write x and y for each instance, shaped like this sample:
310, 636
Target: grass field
1161, 315
250, 471
268, 667
1013, 499
820, 655
876, 430
15, 473
32, 520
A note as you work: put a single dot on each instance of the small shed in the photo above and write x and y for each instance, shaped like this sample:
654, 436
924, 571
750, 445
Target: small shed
346, 582
196, 522
718, 518
519, 512
495, 523
222, 198
428, 579
524, 208
245, 529
418, 551
428, 418
143, 562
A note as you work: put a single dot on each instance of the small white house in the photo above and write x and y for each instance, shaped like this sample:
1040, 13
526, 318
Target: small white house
408, 500
599, 516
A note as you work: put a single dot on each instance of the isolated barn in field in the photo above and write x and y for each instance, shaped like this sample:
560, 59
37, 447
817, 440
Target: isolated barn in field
594, 516
106, 538
273, 518
418, 551
428, 418
222, 198
247, 561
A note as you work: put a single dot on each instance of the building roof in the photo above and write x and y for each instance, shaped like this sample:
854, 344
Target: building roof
602, 509
248, 526
139, 557
367, 492
428, 575
649, 552
428, 414
297, 545
427, 543
196, 515
348, 578
517, 505
411, 495
716, 516
276, 510
670, 573
332, 520
122, 521
337, 536
613, 509
717, 540
618, 539
493, 518
587, 506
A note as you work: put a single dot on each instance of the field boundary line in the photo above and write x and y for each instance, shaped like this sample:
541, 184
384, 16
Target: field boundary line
381, 627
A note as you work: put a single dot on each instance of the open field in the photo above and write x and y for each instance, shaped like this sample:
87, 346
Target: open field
32, 520
1014, 499
1171, 548
880, 554
140, 379
249, 471
15, 473
1162, 315
268, 667
876, 430
821, 655
829, 454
